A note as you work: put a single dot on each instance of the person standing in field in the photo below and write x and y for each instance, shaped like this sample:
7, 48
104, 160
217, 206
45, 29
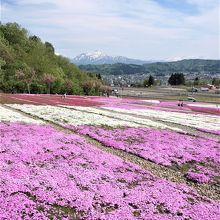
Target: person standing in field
63, 96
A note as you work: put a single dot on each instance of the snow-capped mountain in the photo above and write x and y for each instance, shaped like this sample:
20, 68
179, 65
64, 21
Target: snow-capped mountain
98, 57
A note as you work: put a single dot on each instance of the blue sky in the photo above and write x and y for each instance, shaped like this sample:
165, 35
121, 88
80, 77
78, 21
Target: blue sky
144, 29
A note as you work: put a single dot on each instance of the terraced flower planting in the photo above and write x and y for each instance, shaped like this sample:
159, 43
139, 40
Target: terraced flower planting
142, 122
48, 100
208, 123
107, 158
67, 117
64, 177
162, 147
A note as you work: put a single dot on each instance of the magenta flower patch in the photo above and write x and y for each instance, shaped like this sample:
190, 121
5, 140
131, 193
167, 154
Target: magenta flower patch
162, 147
47, 174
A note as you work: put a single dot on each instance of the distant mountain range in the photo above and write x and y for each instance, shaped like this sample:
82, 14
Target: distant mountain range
98, 57
211, 67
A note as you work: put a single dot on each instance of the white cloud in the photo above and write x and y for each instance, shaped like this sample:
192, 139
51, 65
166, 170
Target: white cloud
142, 29
204, 4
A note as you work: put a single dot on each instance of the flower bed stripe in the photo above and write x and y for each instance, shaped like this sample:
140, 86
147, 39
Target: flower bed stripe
8, 115
209, 122
63, 177
143, 122
167, 148
65, 117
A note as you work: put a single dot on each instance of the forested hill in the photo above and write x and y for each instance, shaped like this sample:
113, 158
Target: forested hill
191, 65
158, 68
27, 64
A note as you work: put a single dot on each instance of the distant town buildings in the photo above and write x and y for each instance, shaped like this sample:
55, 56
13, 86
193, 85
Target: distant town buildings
138, 78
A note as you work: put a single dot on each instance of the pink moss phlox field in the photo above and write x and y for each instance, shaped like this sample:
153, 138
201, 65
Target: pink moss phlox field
47, 174
204, 109
125, 106
139, 104
204, 174
113, 102
160, 146
198, 177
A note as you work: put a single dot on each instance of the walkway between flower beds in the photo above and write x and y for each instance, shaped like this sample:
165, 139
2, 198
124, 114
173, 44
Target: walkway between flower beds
158, 170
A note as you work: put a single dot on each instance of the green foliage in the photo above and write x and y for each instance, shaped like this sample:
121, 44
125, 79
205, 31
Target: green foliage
192, 65
189, 83
196, 81
176, 79
216, 81
92, 87
145, 83
29, 65
99, 76
151, 81
114, 69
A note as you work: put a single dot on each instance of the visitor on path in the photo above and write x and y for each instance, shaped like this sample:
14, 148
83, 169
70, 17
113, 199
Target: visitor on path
63, 96
180, 103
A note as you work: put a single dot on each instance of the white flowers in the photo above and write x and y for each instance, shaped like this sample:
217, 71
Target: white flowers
7, 115
140, 122
151, 101
64, 116
200, 121
76, 115
205, 105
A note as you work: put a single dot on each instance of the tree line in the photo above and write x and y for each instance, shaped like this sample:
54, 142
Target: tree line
179, 79
27, 64
174, 79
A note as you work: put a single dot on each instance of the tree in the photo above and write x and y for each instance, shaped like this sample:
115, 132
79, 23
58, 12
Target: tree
5, 50
35, 38
48, 79
26, 75
91, 87
151, 81
14, 34
99, 76
176, 79
49, 47
2, 63
68, 85
196, 81
216, 81
145, 83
